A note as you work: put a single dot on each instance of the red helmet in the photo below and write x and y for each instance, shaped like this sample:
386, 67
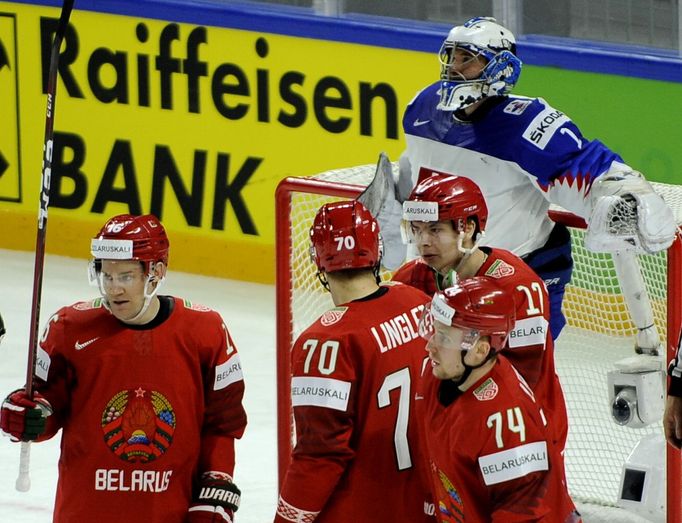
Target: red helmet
128, 237
458, 198
345, 235
479, 304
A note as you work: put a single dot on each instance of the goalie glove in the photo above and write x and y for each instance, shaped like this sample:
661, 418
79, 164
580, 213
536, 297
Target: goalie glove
22, 418
628, 215
383, 201
216, 501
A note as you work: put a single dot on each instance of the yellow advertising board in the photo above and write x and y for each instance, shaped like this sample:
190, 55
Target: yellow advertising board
196, 124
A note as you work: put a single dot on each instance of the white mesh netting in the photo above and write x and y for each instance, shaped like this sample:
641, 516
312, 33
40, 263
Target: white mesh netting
599, 332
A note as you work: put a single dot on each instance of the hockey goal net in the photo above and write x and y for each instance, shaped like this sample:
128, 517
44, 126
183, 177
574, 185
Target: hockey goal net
598, 333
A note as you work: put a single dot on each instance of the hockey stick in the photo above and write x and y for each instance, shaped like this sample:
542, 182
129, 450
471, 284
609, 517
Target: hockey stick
23, 483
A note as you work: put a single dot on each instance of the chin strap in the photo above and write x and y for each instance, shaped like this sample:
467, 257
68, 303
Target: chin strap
148, 295
468, 369
466, 251
323, 280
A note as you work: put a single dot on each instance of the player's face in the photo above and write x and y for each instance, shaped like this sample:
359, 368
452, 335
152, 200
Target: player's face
123, 283
437, 244
466, 65
445, 351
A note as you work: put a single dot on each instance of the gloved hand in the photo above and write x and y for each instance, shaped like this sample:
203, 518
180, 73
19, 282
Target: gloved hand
24, 419
628, 215
216, 500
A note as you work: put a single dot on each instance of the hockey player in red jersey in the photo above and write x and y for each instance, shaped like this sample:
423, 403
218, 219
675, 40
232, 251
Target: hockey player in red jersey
357, 456
492, 459
146, 388
445, 217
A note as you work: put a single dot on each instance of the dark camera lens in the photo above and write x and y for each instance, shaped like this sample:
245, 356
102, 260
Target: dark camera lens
624, 406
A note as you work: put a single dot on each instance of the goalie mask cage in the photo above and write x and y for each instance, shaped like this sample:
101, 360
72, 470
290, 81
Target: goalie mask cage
598, 333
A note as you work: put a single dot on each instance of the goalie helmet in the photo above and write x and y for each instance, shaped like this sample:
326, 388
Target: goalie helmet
345, 235
128, 237
440, 196
478, 37
478, 305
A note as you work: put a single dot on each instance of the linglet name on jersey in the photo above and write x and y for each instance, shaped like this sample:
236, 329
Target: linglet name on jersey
397, 331
135, 481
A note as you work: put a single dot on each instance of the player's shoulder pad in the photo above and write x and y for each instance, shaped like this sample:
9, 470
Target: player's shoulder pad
190, 312
190, 305
500, 269
97, 303
517, 105
428, 91
542, 121
407, 289
333, 316
486, 391
82, 312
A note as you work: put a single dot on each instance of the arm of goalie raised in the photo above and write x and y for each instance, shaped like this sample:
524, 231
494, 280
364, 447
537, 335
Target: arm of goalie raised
628, 215
381, 199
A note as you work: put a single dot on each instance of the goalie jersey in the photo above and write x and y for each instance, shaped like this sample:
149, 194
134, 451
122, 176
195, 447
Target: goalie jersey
522, 153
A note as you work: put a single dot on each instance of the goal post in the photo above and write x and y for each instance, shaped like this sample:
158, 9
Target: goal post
598, 333
290, 255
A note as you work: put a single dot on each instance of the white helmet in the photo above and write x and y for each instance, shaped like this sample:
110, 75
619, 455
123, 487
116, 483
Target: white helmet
481, 36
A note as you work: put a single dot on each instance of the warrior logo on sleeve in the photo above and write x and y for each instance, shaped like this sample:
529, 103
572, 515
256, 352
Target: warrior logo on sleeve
138, 425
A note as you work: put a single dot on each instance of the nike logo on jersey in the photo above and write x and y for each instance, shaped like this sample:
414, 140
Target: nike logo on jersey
81, 346
419, 122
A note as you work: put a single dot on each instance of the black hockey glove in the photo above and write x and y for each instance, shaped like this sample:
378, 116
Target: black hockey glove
216, 501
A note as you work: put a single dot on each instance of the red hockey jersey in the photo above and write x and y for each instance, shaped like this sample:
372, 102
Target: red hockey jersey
143, 409
357, 457
530, 347
491, 457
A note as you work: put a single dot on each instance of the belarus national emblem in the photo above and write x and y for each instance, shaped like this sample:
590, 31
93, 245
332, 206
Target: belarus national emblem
138, 425
450, 504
